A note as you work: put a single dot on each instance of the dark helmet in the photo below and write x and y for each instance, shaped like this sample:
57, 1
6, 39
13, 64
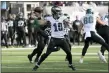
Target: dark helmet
56, 11
38, 9
20, 15
89, 11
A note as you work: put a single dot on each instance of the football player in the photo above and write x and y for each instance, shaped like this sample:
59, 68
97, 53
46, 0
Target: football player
20, 28
89, 23
104, 32
4, 31
31, 33
11, 28
39, 27
57, 37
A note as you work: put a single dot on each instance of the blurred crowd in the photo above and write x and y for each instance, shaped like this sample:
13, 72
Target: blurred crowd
26, 36
75, 3
16, 30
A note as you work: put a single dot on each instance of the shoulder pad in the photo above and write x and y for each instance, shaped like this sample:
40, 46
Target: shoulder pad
47, 15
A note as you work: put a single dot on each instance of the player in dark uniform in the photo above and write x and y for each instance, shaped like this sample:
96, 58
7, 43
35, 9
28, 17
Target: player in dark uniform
103, 31
20, 28
39, 27
31, 34
11, 28
57, 37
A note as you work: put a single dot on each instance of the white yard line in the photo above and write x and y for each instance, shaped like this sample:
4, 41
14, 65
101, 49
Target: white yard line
55, 68
46, 47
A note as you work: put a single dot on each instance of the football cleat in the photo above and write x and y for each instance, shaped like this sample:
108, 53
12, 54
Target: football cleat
101, 57
81, 61
35, 68
30, 58
104, 59
72, 67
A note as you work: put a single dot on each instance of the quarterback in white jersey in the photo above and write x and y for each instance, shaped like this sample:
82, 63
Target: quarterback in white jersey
89, 23
57, 37
57, 26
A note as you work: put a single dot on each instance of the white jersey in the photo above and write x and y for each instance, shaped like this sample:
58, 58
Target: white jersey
89, 22
57, 27
10, 23
4, 26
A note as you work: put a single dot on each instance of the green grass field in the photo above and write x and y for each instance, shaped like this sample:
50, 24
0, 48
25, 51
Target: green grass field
16, 61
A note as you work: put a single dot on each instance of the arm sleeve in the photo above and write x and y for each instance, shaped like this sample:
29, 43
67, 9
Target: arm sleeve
36, 23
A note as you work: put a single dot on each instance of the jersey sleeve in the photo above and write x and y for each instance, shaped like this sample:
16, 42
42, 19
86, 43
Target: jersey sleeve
36, 23
47, 18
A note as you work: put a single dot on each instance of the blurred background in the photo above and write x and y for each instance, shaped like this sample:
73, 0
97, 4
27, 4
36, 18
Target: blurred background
71, 6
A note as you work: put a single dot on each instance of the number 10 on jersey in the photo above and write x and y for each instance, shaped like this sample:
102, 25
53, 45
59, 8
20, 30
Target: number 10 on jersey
58, 27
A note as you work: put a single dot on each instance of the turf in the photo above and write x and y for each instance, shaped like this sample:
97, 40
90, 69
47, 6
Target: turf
16, 61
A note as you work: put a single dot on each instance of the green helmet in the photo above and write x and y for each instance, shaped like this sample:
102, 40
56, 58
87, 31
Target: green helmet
89, 11
56, 10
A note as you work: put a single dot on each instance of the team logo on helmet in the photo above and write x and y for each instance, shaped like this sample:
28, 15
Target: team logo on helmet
56, 11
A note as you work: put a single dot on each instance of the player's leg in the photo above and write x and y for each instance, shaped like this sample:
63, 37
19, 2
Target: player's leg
19, 37
6, 39
24, 37
84, 50
105, 36
65, 46
8, 35
32, 38
74, 37
34, 34
68, 41
12, 37
40, 48
35, 51
45, 55
102, 47
101, 41
102, 50
78, 39
30, 56
29, 36
2, 36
